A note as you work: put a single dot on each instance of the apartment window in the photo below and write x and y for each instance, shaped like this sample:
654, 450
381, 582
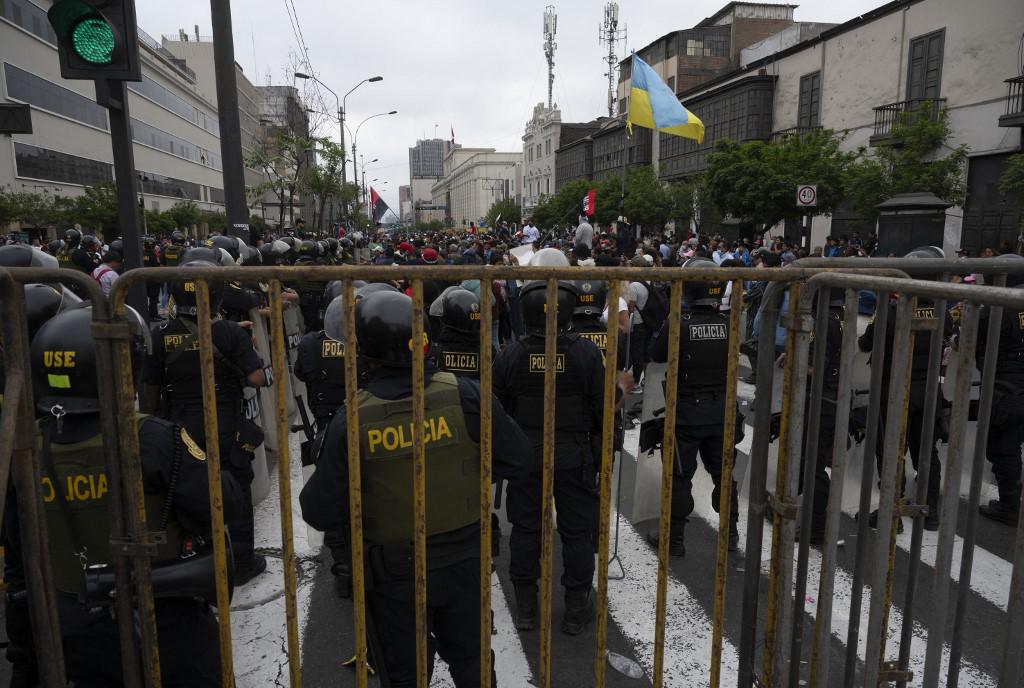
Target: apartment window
34, 162
694, 48
45, 95
29, 17
539, 151
158, 185
547, 147
810, 100
924, 66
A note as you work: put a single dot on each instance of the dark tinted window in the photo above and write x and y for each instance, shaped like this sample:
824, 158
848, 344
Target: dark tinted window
176, 104
39, 163
152, 184
29, 17
29, 88
158, 138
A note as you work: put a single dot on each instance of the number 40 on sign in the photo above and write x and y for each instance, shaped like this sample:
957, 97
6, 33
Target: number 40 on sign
807, 195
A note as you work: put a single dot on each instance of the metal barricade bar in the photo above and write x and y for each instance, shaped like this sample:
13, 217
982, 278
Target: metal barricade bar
486, 473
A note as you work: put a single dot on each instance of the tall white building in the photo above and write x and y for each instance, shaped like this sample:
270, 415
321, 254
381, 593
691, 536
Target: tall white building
474, 180
540, 141
174, 124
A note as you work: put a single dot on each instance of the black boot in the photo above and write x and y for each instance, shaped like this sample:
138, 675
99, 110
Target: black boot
342, 580
248, 568
676, 543
931, 520
873, 522
579, 611
734, 538
526, 606
998, 510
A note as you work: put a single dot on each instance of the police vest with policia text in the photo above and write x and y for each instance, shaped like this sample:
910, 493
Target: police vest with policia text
81, 480
385, 457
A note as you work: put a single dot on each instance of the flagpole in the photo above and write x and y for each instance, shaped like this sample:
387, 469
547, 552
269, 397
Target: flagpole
625, 156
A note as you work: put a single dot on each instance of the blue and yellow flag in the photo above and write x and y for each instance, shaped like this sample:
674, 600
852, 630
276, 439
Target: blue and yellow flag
652, 104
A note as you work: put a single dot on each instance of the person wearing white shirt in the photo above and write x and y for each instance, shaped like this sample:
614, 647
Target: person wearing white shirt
106, 272
530, 233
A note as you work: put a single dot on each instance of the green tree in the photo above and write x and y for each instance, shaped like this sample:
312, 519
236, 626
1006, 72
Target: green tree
1012, 181
647, 200
96, 209
183, 214
323, 180
564, 207
757, 181
285, 160
691, 201
508, 210
214, 220
912, 163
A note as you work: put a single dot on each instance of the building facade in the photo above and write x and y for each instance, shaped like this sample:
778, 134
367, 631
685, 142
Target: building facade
174, 126
574, 158
859, 76
405, 203
540, 141
426, 167
474, 180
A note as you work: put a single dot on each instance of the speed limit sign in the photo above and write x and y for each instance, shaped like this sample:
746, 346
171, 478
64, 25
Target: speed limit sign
807, 195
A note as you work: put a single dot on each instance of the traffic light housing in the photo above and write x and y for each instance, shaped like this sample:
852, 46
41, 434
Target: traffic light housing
96, 39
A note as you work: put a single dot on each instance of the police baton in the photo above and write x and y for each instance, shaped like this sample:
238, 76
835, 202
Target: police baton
619, 449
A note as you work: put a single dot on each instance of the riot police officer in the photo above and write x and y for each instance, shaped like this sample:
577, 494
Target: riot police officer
457, 347
76, 499
519, 384
586, 316
451, 433
172, 371
925, 309
1006, 427
151, 259
87, 257
171, 256
72, 238
310, 291
700, 408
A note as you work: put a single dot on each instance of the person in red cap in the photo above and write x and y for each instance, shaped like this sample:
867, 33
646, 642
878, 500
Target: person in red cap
429, 256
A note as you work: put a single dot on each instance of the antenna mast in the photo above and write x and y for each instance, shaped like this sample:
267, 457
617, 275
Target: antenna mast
550, 28
610, 34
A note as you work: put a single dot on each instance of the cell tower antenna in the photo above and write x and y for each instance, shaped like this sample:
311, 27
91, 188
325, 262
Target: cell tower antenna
611, 35
550, 29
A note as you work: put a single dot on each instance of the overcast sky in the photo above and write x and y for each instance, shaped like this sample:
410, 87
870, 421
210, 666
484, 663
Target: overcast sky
477, 67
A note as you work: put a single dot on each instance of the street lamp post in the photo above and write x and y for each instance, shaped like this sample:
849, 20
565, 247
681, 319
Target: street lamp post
341, 112
355, 138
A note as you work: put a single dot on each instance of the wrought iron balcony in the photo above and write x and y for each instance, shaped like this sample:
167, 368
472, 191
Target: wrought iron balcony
1014, 116
888, 116
783, 134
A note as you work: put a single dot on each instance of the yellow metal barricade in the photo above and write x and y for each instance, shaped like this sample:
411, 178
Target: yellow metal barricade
780, 658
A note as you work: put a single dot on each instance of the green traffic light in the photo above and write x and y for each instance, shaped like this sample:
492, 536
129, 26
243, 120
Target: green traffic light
93, 41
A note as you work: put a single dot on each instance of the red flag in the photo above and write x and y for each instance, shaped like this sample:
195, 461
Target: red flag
377, 205
589, 204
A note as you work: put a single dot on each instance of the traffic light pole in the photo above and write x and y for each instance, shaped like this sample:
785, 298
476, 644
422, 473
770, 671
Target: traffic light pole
113, 95
230, 130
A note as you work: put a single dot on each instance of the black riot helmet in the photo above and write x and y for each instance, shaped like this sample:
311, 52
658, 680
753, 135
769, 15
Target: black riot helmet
702, 293
927, 253
384, 329
1006, 260
24, 256
591, 297
55, 246
177, 237
335, 288
251, 256
533, 300
148, 243
461, 311
199, 253
72, 237
64, 361
228, 243
43, 302
117, 245
334, 318
308, 250
267, 254
332, 247
373, 288
184, 293
89, 241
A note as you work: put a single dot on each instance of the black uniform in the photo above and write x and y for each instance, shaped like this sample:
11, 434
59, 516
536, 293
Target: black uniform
918, 381
84, 260
321, 365
453, 565
1006, 429
171, 255
174, 366
311, 298
457, 353
519, 384
152, 260
700, 409
239, 300
186, 627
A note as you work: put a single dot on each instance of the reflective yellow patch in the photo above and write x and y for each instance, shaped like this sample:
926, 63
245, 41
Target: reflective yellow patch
59, 359
78, 487
332, 349
393, 437
461, 361
194, 449
599, 338
58, 381
1020, 317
